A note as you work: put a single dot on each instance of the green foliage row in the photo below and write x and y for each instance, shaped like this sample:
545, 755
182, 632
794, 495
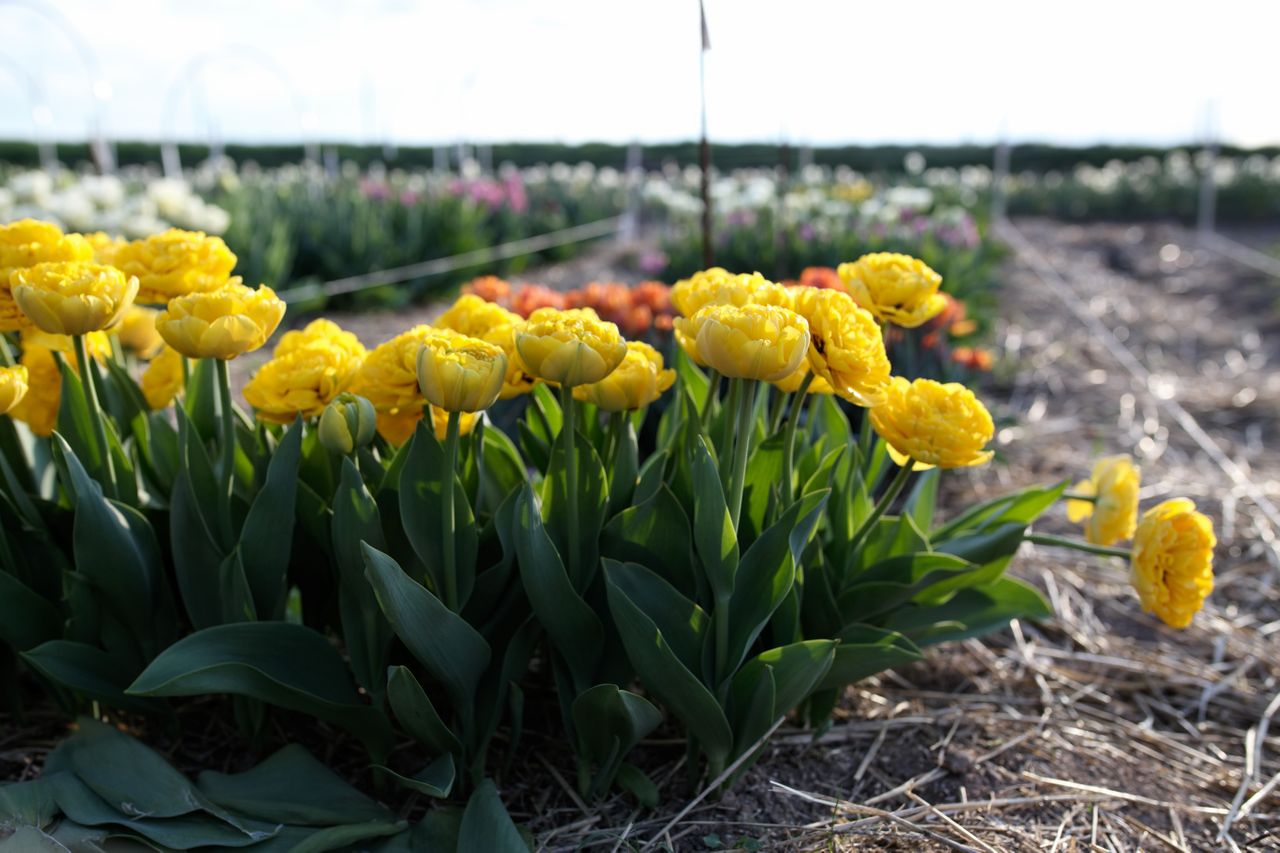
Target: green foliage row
1031, 156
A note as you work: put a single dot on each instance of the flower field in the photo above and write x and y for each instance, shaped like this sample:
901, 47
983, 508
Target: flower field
640, 538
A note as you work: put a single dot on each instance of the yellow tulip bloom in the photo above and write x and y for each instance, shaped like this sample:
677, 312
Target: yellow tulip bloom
221, 324
1113, 514
934, 424
458, 373
896, 288
175, 263
761, 342
573, 347
1172, 563
846, 346
13, 387
72, 297
162, 380
637, 382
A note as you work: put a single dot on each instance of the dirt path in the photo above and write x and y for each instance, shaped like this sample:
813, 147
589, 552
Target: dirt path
1102, 730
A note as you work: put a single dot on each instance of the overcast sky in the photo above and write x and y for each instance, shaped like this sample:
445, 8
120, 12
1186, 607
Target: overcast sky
809, 71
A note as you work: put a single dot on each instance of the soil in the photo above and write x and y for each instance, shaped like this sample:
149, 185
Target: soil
1099, 730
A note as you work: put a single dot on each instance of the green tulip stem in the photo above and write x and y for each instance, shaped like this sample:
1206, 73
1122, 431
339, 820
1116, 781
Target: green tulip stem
568, 407
1077, 545
617, 431
228, 437
713, 389
724, 440
742, 446
896, 486
448, 532
95, 413
1072, 496
789, 452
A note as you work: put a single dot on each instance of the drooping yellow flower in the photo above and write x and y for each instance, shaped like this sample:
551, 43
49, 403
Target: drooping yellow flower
162, 380
38, 408
72, 297
137, 331
459, 373
637, 382
1172, 564
176, 263
846, 346
223, 323
13, 387
1113, 514
935, 424
896, 288
303, 379
572, 347
761, 342
478, 318
347, 423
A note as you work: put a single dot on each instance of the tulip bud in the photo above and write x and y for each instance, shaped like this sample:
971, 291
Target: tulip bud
347, 423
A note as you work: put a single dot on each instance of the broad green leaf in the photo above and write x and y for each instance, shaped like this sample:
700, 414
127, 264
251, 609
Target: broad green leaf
692, 379
440, 639
713, 535
580, 552
292, 787
416, 714
76, 422
865, 651
654, 534
277, 662
650, 477
28, 803
503, 470
487, 826
797, 670
666, 677
971, 612
923, 498
266, 538
193, 535
422, 510
574, 629
610, 721
624, 470
764, 473
366, 631
682, 622
27, 619
89, 672
190, 830
116, 550
752, 699
637, 783
434, 780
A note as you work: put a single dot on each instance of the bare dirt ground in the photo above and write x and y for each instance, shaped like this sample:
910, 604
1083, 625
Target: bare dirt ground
1102, 730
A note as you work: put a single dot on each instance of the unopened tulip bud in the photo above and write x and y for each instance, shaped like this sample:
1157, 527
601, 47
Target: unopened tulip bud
347, 423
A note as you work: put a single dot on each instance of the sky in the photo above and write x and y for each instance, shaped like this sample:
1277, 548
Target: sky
814, 72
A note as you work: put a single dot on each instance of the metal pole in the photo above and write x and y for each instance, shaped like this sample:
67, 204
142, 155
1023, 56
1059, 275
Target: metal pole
999, 176
704, 150
1205, 214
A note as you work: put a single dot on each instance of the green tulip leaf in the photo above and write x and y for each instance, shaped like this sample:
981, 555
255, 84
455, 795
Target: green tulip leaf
487, 826
416, 714
713, 535
434, 780
266, 538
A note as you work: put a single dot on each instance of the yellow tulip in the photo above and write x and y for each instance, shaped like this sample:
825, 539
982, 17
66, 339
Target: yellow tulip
1112, 515
347, 423
935, 424
896, 288
26, 243
846, 346
137, 331
302, 381
175, 263
791, 384
221, 324
72, 297
163, 379
320, 331
13, 387
38, 408
761, 342
458, 373
1172, 564
573, 347
479, 318
690, 294
636, 383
